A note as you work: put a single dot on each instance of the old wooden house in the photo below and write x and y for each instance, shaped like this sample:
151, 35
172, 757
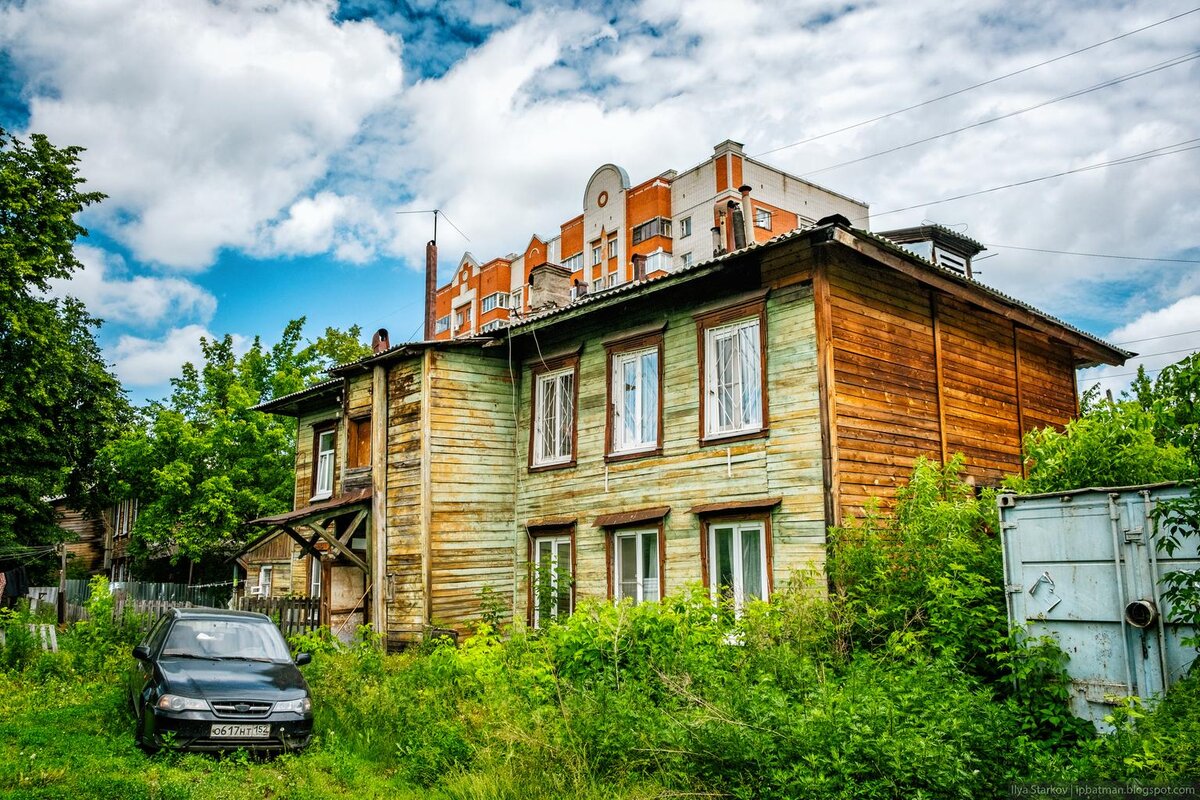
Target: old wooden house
704, 427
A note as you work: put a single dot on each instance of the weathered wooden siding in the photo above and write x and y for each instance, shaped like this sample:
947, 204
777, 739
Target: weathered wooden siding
405, 593
979, 389
86, 537
786, 464
917, 372
472, 485
1047, 382
884, 391
288, 576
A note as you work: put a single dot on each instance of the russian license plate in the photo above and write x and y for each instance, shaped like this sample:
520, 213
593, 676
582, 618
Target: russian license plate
240, 731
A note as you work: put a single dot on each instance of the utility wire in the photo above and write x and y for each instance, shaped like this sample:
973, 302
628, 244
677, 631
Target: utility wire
1152, 338
1171, 62
1166, 150
974, 86
1093, 255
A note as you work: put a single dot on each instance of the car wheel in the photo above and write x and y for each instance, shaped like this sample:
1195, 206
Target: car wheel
146, 743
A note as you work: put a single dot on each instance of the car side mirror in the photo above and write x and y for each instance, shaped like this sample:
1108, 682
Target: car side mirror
141, 653
303, 658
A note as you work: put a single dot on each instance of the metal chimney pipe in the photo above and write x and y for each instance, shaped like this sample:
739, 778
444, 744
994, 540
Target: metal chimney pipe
737, 223
747, 213
721, 222
430, 288
716, 234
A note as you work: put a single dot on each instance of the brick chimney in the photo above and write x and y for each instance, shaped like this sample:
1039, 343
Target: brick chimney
380, 342
430, 288
549, 287
639, 267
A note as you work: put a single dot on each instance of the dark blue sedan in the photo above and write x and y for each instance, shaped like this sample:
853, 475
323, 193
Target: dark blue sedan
208, 679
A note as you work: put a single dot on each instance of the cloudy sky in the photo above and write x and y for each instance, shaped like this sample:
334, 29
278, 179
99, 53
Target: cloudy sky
255, 153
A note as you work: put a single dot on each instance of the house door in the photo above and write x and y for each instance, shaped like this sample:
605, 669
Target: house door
346, 587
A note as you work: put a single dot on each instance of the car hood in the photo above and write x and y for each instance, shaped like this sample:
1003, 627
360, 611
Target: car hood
232, 679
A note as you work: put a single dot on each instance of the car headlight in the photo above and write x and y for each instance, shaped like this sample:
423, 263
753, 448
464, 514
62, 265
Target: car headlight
174, 702
300, 706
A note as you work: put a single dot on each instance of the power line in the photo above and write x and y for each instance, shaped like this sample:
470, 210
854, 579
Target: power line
975, 86
1171, 62
1093, 255
1148, 154
1152, 338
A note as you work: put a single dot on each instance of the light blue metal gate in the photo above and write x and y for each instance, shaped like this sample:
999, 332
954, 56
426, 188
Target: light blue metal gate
1084, 567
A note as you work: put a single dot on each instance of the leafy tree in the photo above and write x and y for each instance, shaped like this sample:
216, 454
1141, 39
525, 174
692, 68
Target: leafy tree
202, 463
1112, 444
58, 401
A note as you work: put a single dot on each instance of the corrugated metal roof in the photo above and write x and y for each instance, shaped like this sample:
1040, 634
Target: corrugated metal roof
316, 388
999, 295
626, 288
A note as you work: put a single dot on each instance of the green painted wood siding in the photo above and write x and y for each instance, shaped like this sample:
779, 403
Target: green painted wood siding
786, 464
472, 488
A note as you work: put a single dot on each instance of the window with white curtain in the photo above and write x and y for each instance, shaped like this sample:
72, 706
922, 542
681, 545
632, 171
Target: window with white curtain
737, 562
635, 565
733, 378
635, 400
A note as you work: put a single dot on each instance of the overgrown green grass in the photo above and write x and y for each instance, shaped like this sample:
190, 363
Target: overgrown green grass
901, 682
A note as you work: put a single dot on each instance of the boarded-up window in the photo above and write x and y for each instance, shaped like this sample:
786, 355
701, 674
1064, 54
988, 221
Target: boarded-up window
358, 452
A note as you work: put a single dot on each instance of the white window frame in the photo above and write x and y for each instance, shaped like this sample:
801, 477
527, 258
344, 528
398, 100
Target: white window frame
740, 421
738, 590
442, 324
612, 247
597, 252
314, 577
685, 227
516, 299
598, 285
554, 550
762, 218
464, 319
553, 440
264, 579
574, 262
619, 360
493, 301
685, 260
639, 595
323, 462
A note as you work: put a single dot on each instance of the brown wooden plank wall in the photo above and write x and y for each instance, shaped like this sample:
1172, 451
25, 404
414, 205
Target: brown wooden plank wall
472, 483
885, 392
979, 389
1047, 382
88, 534
889, 405
406, 604
786, 464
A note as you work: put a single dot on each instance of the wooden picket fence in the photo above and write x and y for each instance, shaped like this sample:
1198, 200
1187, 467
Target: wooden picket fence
292, 614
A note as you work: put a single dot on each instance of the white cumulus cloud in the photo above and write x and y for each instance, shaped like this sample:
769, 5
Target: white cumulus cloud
144, 362
202, 119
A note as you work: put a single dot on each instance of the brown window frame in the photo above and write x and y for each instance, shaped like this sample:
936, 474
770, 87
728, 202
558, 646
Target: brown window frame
533, 534
610, 553
556, 364
754, 305
734, 516
617, 347
318, 429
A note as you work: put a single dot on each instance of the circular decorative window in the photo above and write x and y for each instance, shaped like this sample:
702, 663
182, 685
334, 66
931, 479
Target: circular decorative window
602, 200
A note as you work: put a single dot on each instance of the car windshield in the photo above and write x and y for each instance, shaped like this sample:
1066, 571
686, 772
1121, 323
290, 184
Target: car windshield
226, 638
